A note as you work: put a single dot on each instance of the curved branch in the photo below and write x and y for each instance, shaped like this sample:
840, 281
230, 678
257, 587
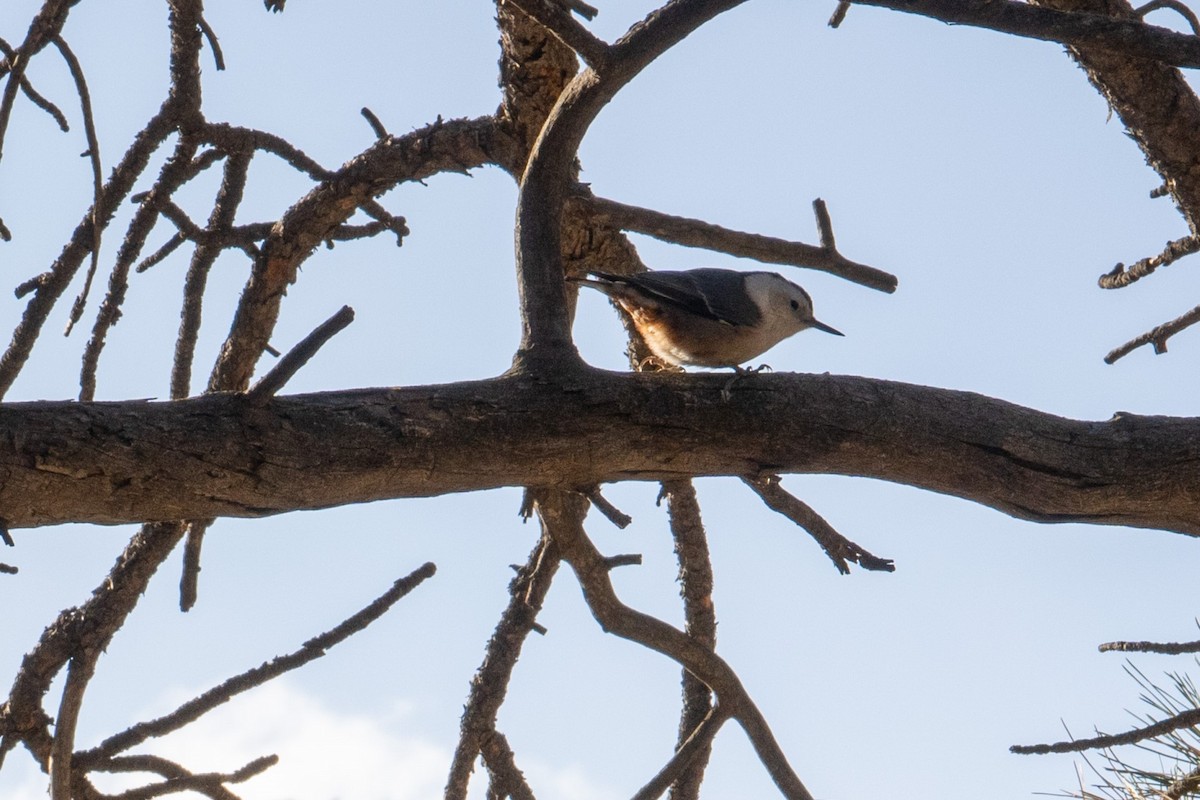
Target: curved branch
546, 344
562, 516
442, 146
224, 456
1123, 37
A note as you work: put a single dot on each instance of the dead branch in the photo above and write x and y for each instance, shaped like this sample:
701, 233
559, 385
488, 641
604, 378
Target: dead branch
224, 210
1175, 5
613, 514
1119, 36
173, 174
189, 579
767, 249
84, 629
33, 94
49, 286
1167, 648
1120, 276
546, 344
46, 25
506, 779
692, 749
1157, 337
93, 153
562, 516
839, 549
489, 687
178, 779
311, 650
218, 456
700, 623
299, 355
1186, 719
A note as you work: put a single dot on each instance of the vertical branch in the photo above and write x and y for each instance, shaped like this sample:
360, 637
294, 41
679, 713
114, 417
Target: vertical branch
489, 687
700, 623
48, 287
545, 319
229, 197
93, 152
173, 173
79, 673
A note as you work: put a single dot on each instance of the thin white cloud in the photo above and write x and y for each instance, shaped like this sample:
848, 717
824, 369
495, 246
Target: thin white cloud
323, 754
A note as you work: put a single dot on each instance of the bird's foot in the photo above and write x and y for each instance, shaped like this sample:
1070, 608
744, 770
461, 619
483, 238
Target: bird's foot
739, 373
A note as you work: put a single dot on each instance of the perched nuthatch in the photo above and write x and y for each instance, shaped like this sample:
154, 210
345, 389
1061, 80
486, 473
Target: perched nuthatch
710, 317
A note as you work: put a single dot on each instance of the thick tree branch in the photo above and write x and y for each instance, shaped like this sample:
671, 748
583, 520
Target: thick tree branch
546, 344
224, 456
1127, 37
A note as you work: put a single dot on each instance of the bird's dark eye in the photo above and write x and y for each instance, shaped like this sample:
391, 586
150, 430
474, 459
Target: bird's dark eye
795, 305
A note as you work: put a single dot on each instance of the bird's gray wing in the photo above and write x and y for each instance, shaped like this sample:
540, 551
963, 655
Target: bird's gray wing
716, 294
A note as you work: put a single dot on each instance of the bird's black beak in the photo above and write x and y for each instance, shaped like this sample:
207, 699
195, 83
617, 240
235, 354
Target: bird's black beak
821, 326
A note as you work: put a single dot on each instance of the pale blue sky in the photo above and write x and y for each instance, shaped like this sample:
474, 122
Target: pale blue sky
983, 170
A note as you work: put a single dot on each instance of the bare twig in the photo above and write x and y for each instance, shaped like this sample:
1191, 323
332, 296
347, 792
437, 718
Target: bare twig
299, 355
8, 569
581, 8
1175, 5
1168, 648
767, 249
178, 779
34, 96
189, 580
1121, 276
613, 514
1184, 720
839, 13
372, 120
211, 36
93, 152
1157, 337
839, 549
45, 26
312, 649
693, 747
623, 560
170, 246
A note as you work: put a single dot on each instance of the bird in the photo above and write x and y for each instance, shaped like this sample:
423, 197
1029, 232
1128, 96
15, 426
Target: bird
709, 317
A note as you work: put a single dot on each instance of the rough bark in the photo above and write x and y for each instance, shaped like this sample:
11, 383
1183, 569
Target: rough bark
223, 456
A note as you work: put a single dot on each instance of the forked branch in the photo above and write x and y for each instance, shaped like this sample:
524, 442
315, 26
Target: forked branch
562, 516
